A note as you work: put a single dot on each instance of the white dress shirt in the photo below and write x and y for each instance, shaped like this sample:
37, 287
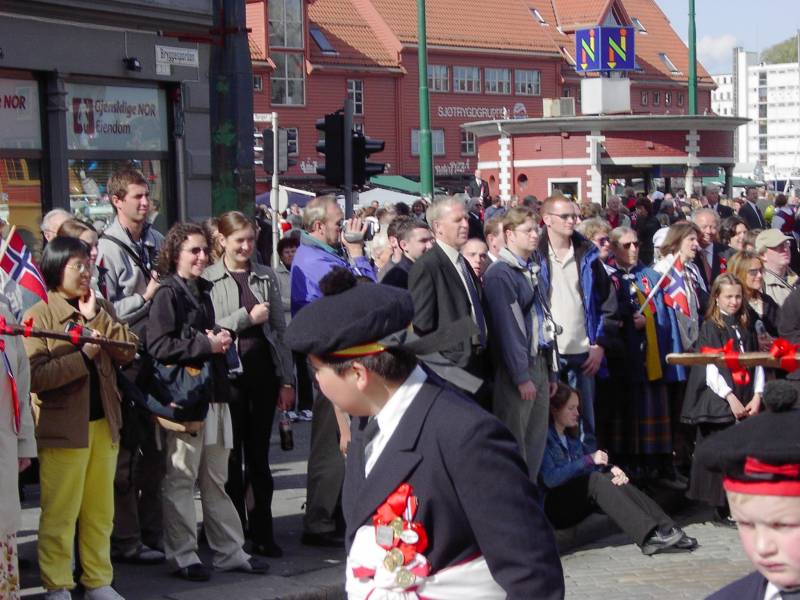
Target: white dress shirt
454, 255
390, 416
717, 384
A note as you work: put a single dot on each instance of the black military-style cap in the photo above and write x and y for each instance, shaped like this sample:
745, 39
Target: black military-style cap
351, 323
760, 455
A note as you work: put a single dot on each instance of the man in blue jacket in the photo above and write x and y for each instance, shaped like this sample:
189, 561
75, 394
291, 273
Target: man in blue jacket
323, 247
517, 321
583, 303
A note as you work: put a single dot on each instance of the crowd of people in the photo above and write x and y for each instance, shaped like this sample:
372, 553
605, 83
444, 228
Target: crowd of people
555, 316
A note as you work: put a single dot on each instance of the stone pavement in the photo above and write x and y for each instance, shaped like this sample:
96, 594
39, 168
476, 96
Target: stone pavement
607, 569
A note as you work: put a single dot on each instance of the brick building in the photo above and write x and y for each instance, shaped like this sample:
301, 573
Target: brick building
487, 60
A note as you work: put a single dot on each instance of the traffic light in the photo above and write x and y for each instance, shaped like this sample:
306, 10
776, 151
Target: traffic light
332, 146
268, 157
362, 168
287, 139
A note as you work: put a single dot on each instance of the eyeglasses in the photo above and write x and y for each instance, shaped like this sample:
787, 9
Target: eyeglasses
81, 268
627, 245
197, 250
754, 272
565, 216
602, 241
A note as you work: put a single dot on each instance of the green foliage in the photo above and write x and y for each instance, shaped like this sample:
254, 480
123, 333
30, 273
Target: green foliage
223, 194
782, 52
225, 135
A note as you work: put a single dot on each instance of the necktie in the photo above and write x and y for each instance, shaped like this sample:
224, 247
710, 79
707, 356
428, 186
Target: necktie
706, 266
474, 298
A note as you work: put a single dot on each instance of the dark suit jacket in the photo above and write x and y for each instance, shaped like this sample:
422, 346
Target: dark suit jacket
475, 225
481, 191
723, 211
473, 489
398, 274
440, 298
720, 251
749, 587
752, 216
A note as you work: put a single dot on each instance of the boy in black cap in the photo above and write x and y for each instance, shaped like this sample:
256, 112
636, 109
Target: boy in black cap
760, 459
436, 497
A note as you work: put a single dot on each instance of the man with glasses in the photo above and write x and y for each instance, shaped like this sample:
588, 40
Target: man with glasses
583, 303
323, 246
775, 251
127, 250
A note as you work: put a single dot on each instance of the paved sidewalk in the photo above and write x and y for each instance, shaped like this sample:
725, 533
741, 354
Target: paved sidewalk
608, 569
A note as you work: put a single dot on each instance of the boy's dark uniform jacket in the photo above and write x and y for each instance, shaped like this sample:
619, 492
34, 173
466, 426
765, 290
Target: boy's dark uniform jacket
750, 587
473, 490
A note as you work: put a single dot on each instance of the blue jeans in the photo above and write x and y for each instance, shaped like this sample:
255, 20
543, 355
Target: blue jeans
570, 369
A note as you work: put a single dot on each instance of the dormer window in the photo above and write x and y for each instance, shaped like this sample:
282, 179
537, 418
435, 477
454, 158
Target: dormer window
322, 42
668, 63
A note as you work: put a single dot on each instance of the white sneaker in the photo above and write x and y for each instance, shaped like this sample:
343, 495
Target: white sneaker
62, 594
105, 592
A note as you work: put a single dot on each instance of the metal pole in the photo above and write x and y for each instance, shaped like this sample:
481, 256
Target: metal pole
425, 150
273, 193
348, 157
692, 62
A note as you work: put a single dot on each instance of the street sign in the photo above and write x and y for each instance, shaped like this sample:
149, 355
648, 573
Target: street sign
605, 49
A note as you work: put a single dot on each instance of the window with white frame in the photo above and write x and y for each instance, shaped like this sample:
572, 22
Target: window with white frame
437, 142
527, 82
438, 78
258, 83
468, 140
355, 91
285, 23
497, 81
644, 97
680, 98
287, 82
467, 80
656, 98
667, 98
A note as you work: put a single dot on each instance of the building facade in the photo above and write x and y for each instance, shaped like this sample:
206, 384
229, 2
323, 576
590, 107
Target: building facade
88, 86
487, 59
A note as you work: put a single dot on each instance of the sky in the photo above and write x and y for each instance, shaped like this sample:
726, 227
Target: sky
724, 24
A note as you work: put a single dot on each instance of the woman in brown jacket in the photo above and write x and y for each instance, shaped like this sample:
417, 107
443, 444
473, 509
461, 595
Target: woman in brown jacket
78, 425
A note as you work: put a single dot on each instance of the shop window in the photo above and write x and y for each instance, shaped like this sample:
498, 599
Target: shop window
21, 198
438, 78
437, 142
287, 82
258, 83
467, 80
355, 91
467, 143
527, 82
498, 81
285, 23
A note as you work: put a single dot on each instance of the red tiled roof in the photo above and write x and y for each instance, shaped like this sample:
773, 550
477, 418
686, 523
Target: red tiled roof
488, 24
350, 35
572, 14
256, 52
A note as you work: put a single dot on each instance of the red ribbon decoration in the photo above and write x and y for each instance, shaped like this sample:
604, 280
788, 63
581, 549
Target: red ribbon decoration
28, 327
755, 466
75, 334
731, 356
400, 503
785, 352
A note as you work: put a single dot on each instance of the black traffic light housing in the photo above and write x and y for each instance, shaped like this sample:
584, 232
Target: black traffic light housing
268, 158
284, 162
332, 147
363, 147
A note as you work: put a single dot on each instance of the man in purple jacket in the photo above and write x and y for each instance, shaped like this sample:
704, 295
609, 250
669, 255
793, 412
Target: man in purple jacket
323, 247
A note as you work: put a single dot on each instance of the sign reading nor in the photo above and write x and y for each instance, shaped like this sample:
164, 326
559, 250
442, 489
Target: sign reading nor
19, 115
104, 117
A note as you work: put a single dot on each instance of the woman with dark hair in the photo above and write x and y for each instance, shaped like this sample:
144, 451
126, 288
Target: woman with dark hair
79, 422
579, 479
732, 232
247, 300
87, 233
182, 331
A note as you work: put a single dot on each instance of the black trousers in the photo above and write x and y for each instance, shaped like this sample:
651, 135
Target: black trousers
631, 509
254, 396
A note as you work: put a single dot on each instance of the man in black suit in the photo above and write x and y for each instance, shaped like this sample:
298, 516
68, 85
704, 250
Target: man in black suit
750, 212
414, 238
712, 256
416, 499
445, 289
712, 195
478, 188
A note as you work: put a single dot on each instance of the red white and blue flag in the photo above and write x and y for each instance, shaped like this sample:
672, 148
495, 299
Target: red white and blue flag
18, 263
674, 286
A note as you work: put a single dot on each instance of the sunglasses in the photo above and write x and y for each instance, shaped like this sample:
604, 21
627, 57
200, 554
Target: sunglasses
197, 250
565, 216
627, 245
602, 241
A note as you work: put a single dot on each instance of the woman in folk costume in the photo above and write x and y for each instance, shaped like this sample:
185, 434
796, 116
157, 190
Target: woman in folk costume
17, 447
685, 298
649, 335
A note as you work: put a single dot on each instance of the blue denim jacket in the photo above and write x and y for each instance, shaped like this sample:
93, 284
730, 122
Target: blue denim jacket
562, 463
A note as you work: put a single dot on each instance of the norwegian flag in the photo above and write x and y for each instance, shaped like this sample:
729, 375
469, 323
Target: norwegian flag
674, 286
18, 263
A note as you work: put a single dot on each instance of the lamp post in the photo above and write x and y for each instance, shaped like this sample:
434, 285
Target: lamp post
425, 151
692, 62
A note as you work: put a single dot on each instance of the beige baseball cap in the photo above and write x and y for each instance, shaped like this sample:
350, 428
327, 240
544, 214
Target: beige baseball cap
770, 238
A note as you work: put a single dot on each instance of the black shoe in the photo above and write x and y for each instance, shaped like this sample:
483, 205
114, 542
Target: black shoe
658, 541
728, 522
324, 540
254, 566
270, 549
687, 543
196, 572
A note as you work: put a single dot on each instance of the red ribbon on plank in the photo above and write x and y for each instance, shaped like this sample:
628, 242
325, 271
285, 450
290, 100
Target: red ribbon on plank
785, 352
731, 356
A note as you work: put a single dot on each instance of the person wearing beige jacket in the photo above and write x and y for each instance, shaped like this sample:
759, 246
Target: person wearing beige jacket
17, 447
79, 418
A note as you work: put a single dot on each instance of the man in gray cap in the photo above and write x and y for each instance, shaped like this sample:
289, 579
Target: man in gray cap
775, 251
